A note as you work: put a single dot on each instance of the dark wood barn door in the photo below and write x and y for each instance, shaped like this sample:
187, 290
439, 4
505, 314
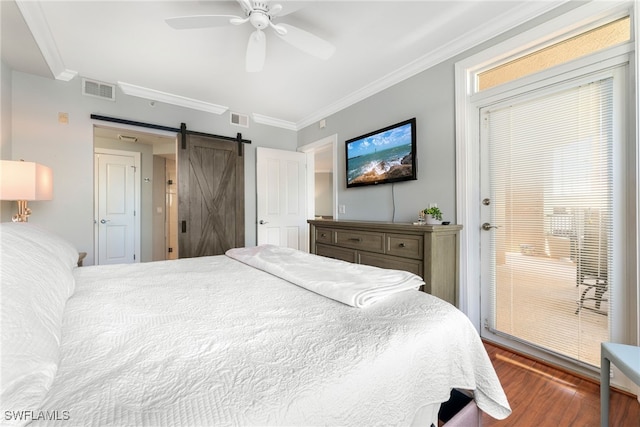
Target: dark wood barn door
210, 197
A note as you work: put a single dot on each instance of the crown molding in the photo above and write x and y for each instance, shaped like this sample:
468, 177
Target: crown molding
493, 28
168, 98
270, 121
34, 18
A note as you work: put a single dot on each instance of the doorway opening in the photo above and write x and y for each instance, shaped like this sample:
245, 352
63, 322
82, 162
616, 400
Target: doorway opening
323, 177
157, 214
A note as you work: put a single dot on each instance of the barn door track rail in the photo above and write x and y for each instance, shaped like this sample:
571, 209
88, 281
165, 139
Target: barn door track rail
182, 130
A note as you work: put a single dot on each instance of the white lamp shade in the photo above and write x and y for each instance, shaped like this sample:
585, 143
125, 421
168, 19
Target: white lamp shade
25, 181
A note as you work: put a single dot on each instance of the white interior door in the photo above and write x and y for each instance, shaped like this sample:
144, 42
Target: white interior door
281, 193
116, 235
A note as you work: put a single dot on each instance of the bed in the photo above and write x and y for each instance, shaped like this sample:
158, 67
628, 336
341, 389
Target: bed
259, 336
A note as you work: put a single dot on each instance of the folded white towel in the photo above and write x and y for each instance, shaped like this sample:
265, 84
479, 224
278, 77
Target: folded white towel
354, 284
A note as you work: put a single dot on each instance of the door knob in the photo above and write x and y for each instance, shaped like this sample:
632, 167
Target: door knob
263, 222
104, 221
486, 226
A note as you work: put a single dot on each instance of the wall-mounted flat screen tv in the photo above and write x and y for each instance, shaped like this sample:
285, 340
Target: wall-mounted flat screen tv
383, 156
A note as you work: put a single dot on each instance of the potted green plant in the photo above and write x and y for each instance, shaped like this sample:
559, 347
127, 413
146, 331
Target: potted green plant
433, 215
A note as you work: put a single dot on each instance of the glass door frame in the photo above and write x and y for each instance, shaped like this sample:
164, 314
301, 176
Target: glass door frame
468, 192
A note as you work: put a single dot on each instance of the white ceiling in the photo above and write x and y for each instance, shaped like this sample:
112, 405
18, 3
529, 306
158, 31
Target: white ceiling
378, 43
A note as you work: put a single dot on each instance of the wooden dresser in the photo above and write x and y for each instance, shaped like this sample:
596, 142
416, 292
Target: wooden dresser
430, 251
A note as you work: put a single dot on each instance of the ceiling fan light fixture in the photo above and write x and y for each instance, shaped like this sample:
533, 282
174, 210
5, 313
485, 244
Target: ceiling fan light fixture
259, 19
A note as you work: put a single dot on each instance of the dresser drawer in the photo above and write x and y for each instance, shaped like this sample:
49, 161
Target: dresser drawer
335, 252
386, 261
324, 235
366, 241
405, 245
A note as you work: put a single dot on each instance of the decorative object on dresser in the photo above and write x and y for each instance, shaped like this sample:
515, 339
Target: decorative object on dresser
433, 215
430, 251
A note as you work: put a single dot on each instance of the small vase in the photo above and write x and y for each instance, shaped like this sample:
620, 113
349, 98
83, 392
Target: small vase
432, 221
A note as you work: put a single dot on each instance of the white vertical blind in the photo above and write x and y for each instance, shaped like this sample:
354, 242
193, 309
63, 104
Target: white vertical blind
551, 179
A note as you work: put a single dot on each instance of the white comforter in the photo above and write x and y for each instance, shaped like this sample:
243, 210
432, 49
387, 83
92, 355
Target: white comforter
212, 341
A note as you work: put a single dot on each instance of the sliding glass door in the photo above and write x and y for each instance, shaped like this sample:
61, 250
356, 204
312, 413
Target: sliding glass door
547, 249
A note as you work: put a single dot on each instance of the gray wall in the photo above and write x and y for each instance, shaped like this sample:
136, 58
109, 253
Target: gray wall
5, 132
323, 196
68, 149
429, 97
5, 111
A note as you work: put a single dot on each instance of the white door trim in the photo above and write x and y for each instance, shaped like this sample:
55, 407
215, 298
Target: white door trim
636, 89
137, 189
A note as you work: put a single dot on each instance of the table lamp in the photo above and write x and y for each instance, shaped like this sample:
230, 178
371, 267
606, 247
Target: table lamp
24, 181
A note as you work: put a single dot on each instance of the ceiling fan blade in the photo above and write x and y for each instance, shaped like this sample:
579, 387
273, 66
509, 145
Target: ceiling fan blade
278, 29
256, 51
238, 21
246, 5
199, 21
288, 9
275, 10
306, 42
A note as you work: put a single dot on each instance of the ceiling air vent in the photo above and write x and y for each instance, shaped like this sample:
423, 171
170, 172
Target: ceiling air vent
240, 120
98, 89
127, 138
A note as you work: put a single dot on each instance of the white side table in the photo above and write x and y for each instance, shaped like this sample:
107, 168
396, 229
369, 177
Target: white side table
627, 359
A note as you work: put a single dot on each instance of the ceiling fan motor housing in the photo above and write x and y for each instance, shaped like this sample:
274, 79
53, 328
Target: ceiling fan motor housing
259, 19
259, 15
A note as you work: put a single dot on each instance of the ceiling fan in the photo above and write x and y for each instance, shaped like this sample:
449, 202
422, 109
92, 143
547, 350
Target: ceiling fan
260, 14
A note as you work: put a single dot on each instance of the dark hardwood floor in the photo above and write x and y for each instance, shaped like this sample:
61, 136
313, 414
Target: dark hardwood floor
543, 396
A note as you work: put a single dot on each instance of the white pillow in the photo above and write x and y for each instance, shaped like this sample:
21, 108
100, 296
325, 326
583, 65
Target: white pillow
36, 281
55, 244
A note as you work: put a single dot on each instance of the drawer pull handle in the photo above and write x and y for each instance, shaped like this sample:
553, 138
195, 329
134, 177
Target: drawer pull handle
355, 239
323, 235
402, 245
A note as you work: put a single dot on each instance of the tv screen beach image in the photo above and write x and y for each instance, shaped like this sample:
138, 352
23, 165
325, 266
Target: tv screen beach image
384, 156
